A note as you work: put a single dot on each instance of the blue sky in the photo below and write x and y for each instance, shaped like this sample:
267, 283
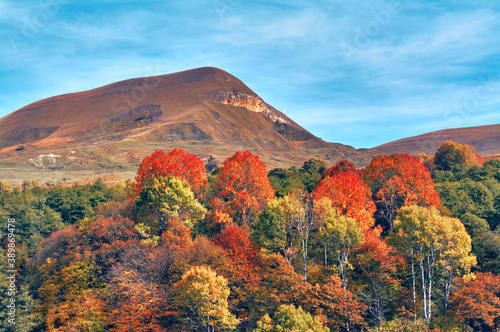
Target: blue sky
360, 73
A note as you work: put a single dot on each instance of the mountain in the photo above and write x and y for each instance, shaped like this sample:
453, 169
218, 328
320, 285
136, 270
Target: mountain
485, 139
108, 130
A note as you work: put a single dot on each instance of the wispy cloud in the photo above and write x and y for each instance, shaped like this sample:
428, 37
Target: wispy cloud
409, 63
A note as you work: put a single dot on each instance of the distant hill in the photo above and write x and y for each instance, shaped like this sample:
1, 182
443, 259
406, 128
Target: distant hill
485, 139
108, 130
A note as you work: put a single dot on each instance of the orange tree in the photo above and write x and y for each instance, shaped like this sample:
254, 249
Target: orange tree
477, 304
399, 180
349, 195
176, 163
242, 187
340, 167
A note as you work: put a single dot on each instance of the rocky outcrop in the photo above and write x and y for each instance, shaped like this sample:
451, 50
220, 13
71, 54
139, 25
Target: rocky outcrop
254, 104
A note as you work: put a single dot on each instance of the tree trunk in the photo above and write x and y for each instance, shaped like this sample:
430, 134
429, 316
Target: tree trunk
424, 291
449, 278
413, 285
326, 261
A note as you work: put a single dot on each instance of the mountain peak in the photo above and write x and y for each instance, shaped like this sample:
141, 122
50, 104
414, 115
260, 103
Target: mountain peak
205, 111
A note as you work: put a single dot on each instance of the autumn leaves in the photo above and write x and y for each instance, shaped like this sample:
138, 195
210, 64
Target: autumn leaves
337, 249
334, 225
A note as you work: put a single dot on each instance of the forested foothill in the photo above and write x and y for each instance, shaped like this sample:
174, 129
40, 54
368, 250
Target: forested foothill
405, 244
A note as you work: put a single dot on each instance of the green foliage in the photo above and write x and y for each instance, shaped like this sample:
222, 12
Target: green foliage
92, 259
284, 181
269, 230
339, 235
473, 196
77, 202
168, 198
35, 220
290, 319
452, 155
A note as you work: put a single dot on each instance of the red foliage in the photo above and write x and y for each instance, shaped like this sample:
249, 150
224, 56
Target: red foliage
399, 180
236, 242
375, 258
350, 196
242, 187
480, 160
340, 167
245, 276
176, 163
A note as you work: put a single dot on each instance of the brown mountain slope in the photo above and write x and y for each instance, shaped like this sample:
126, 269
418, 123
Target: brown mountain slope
205, 111
485, 139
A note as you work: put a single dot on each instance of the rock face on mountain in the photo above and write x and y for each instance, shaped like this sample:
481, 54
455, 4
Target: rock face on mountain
204, 111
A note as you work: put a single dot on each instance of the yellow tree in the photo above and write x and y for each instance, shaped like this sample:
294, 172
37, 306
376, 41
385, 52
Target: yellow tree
339, 236
201, 295
431, 241
290, 319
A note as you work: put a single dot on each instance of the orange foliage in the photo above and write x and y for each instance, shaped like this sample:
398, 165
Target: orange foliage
399, 180
376, 251
280, 283
110, 237
85, 312
177, 235
478, 302
334, 304
452, 154
135, 304
176, 163
242, 187
349, 196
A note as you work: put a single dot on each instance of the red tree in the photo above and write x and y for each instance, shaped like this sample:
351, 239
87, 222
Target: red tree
399, 180
176, 163
245, 277
377, 266
340, 167
242, 187
349, 195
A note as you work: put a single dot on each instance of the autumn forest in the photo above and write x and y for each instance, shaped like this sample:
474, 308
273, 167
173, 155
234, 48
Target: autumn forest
408, 243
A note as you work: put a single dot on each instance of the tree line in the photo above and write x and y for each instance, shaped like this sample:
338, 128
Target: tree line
407, 243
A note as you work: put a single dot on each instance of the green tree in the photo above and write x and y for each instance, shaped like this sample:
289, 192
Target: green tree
170, 198
201, 296
269, 230
452, 155
290, 319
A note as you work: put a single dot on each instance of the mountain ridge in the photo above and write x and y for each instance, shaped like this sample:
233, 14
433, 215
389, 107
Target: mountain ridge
205, 111
485, 139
